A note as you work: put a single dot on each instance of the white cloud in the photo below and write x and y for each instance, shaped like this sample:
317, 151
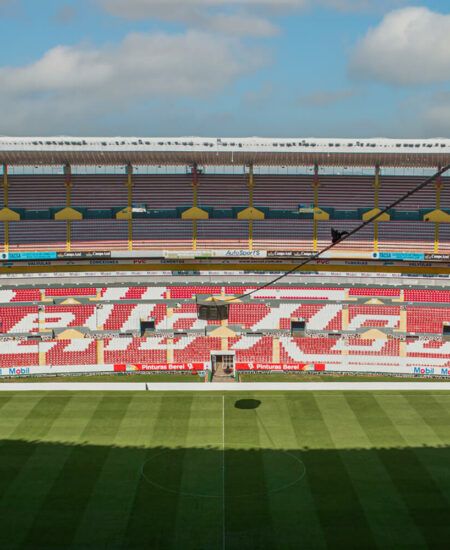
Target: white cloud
180, 9
75, 83
189, 64
323, 98
409, 47
140, 9
242, 24
243, 17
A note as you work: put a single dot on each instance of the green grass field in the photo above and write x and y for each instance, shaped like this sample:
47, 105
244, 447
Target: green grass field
197, 471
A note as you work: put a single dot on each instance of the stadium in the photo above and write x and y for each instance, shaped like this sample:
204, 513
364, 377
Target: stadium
117, 255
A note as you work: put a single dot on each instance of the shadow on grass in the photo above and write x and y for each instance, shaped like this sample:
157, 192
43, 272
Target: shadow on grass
57, 495
247, 403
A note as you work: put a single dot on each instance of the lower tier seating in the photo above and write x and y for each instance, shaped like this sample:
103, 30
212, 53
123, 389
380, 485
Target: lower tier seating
259, 349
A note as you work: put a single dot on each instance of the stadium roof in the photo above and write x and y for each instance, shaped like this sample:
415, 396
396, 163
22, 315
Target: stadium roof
427, 153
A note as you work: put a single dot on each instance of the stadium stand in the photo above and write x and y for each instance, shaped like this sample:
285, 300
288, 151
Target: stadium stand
100, 198
243, 212
109, 325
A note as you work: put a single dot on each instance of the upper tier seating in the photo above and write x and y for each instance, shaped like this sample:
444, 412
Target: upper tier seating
222, 234
162, 234
278, 192
283, 235
99, 235
37, 235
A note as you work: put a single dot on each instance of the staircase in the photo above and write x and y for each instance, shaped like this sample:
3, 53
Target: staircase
223, 375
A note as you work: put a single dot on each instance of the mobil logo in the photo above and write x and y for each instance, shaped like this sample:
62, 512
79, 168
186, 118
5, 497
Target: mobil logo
18, 371
445, 371
422, 370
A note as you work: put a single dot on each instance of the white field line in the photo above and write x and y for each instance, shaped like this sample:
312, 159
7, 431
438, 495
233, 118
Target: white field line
221, 387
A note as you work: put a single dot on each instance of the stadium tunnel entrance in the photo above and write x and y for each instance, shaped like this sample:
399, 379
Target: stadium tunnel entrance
222, 362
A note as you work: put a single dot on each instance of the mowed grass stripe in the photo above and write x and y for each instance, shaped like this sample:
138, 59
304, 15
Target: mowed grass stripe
152, 521
25, 496
294, 517
57, 521
425, 502
33, 426
248, 519
434, 413
108, 511
420, 437
384, 507
5, 398
199, 519
337, 503
409, 422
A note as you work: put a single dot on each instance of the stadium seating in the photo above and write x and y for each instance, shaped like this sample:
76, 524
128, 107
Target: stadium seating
283, 235
103, 310
81, 351
222, 234
19, 320
134, 350
220, 192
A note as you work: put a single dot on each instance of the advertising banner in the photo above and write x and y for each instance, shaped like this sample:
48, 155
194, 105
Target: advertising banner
64, 369
83, 255
402, 256
17, 256
390, 369
163, 367
279, 367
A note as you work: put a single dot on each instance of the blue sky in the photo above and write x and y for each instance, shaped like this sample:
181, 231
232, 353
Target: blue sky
338, 68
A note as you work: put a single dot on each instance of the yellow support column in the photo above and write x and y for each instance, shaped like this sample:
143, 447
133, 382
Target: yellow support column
68, 186
403, 319
195, 183
315, 185
438, 184
100, 352
194, 222
5, 203
345, 317
169, 350
376, 186
275, 350
250, 184
130, 185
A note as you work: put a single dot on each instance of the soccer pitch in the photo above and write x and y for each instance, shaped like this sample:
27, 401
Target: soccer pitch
263, 470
